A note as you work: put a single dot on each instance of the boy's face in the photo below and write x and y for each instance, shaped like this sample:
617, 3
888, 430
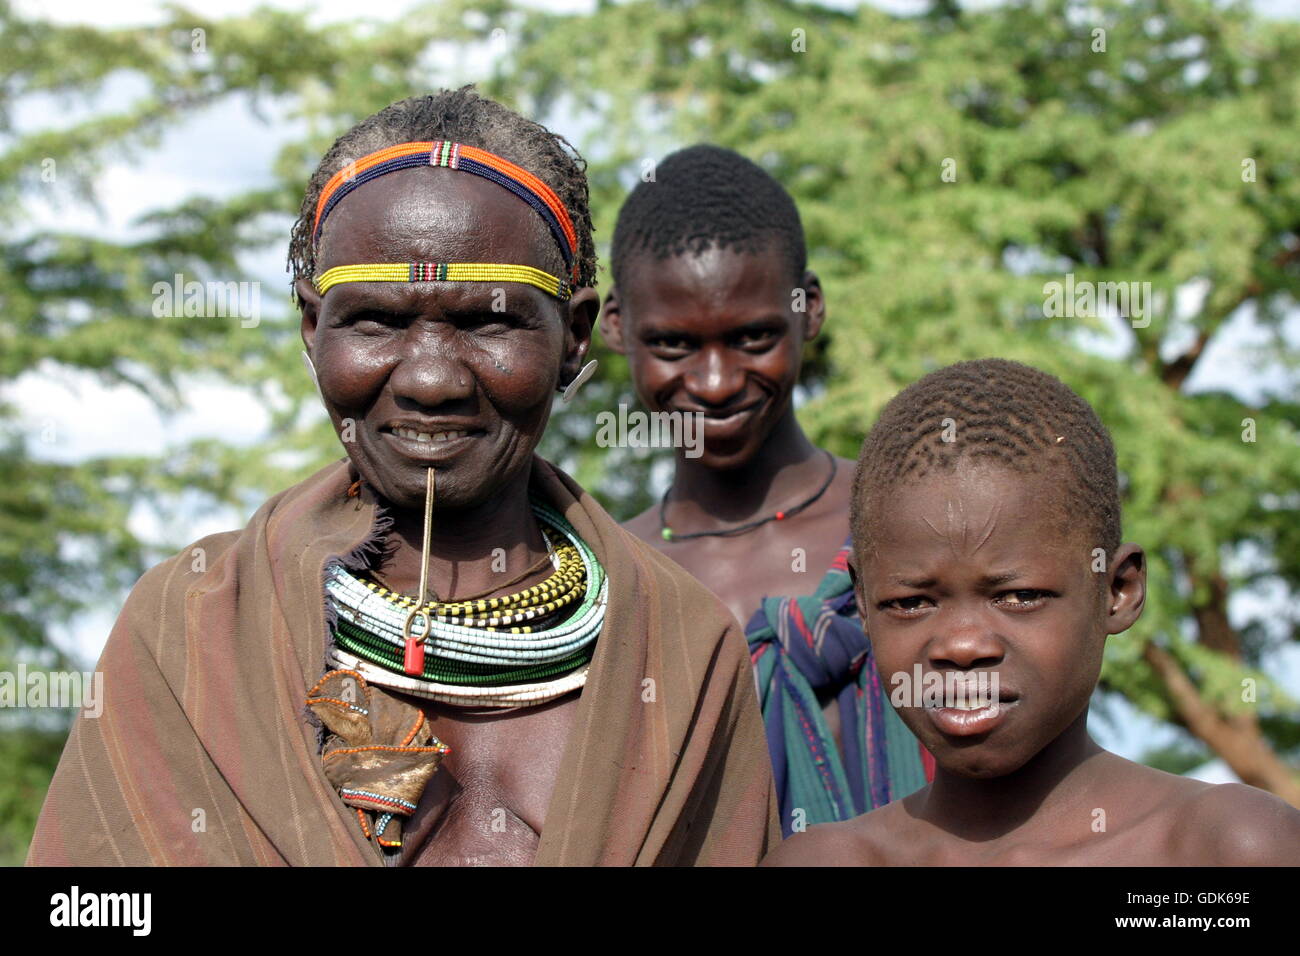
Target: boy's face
720, 333
982, 570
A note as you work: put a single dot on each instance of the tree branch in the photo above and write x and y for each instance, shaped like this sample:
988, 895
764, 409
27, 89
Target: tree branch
1237, 738
1175, 373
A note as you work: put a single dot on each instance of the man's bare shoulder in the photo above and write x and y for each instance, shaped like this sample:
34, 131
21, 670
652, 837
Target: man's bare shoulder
645, 526
1243, 826
863, 841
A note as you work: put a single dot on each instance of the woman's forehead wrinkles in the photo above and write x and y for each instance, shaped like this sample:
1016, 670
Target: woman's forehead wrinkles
454, 298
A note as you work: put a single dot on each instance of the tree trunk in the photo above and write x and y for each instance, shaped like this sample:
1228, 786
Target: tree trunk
1236, 738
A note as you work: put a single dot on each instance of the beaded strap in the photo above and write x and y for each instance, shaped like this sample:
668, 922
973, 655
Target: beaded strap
447, 671
481, 645
458, 156
518, 695
570, 575
444, 272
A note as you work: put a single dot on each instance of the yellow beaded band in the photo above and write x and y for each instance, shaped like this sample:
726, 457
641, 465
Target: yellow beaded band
444, 272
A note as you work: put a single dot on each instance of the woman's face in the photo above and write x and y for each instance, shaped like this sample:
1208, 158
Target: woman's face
458, 376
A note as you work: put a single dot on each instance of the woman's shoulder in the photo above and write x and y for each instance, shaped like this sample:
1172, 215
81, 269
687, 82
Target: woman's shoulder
205, 559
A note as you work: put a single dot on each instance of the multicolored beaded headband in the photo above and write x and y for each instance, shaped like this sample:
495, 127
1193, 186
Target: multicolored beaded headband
444, 272
468, 159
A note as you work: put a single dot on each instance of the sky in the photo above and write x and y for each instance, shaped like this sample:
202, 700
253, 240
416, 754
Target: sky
124, 12
92, 419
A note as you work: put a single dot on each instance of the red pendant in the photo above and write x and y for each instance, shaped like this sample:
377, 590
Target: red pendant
413, 660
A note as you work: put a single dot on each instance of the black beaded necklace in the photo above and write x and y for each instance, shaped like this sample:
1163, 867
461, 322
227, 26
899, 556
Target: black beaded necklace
670, 535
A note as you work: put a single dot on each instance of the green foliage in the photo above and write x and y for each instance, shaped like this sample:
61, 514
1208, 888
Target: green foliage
28, 758
1176, 758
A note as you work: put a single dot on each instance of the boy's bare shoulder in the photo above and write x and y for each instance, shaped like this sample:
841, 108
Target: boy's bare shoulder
862, 841
825, 844
1181, 821
1243, 826
1195, 823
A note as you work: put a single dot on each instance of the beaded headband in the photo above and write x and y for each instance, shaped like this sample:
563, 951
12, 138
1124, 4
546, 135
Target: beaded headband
444, 272
468, 159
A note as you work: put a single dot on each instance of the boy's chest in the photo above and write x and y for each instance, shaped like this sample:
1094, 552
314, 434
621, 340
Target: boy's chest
486, 805
1089, 841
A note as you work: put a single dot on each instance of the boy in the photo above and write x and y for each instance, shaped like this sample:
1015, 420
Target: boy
986, 528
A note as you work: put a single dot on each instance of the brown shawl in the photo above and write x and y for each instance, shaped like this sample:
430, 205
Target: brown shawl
205, 754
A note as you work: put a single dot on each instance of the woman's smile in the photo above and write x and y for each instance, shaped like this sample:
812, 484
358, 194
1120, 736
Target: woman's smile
430, 446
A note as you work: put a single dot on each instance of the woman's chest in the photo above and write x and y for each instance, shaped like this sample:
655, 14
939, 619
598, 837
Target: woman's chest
486, 805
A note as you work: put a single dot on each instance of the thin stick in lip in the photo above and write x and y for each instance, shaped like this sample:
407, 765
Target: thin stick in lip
413, 658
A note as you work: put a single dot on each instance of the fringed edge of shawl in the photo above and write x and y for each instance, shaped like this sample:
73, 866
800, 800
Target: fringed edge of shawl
358, 559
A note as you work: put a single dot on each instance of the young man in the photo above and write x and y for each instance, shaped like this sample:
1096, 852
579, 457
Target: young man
987, 551
712, 304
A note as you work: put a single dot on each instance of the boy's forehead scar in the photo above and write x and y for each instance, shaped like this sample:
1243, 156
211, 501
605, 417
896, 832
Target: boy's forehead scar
1005, 577
958, 526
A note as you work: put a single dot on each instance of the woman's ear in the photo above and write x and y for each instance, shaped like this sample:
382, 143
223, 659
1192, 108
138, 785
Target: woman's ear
308, 301
611, 322
582, 311
1127, 592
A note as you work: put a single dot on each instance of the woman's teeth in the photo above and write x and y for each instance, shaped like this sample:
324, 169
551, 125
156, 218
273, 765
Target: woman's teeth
428, 436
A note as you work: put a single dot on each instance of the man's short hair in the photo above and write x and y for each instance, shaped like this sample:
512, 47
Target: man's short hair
703, 197
1002, 411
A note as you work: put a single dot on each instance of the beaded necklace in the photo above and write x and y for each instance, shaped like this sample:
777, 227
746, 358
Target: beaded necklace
479, 652
670, 535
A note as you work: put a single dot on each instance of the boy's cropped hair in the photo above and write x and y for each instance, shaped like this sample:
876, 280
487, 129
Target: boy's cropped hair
703, 197
1002, 411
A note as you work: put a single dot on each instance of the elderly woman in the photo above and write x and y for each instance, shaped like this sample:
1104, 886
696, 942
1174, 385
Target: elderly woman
439, 649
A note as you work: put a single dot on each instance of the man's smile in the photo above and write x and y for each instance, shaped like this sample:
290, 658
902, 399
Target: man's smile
725, 422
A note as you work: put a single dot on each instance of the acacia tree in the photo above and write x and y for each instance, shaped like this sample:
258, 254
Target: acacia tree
947, 167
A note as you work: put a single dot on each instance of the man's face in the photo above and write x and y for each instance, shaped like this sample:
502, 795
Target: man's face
716, 333
979, 571
453, 375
